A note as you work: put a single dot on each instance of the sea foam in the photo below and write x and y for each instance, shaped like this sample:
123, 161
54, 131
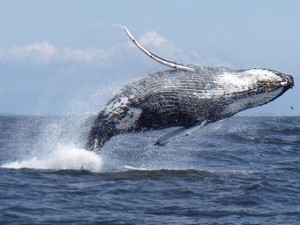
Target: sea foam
62, 158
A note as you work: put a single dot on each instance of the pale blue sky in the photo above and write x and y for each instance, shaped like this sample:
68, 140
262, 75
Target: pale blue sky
68, 57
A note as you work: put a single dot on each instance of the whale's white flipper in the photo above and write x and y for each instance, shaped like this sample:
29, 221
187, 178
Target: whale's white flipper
180, 132
165, 62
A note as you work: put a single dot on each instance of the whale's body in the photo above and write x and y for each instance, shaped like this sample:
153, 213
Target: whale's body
188, 97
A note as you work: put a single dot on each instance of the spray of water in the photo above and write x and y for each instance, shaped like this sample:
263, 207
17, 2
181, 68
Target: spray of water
63, 157
58, 146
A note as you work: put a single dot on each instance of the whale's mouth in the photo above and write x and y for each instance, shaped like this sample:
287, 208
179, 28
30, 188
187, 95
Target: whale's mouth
251, 101
287, 81
284, 83
280, 87
270, 80
267, 92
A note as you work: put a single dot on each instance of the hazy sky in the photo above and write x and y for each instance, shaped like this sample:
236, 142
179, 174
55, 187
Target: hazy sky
70, 57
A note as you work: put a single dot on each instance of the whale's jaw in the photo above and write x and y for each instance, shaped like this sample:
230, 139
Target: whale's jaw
252, 88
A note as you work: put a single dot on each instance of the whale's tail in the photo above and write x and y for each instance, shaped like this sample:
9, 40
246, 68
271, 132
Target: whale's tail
100, 133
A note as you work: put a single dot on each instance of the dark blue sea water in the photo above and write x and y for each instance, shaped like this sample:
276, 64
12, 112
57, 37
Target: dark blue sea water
243, 170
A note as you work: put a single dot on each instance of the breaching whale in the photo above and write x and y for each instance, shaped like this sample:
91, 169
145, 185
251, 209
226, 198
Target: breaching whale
187, 96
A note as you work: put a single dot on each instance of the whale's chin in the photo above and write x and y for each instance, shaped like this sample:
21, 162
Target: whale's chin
252, 101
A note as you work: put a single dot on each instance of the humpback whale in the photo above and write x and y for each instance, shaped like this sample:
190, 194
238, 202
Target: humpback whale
187, 97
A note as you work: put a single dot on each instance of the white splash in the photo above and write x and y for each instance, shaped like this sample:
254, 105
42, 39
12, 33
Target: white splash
62, 158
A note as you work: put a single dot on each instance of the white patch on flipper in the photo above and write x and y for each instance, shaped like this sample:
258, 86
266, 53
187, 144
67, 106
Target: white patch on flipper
132, 115
157, 58
180, 132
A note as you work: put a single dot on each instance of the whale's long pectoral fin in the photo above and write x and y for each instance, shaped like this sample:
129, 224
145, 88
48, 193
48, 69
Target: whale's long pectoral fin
180, 132
165, 62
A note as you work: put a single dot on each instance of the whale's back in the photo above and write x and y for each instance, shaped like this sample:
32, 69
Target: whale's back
174, 98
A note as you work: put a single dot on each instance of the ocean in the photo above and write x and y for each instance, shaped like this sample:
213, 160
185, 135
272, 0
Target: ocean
242, 170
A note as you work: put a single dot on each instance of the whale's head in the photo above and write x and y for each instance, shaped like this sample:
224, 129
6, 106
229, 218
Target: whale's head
253, 87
